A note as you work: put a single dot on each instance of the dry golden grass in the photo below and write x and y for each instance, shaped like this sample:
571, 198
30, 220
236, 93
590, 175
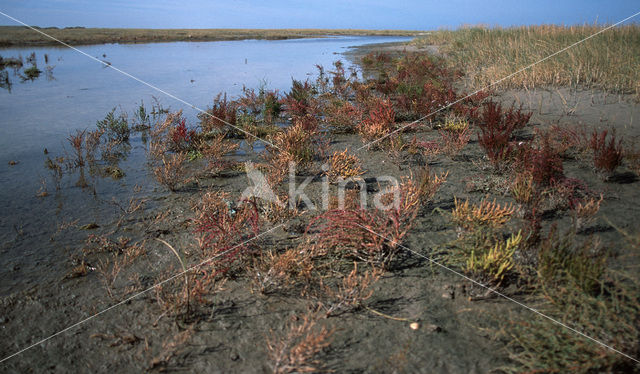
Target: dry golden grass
171, 172
291, 145
343, 165
273, 272
353, 292
607, 61
121, 254
214, 151
486, 213
584, 212
296, 351
171, 347
429, 183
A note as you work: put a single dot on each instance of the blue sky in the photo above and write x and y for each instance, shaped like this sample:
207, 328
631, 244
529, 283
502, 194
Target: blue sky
374, 14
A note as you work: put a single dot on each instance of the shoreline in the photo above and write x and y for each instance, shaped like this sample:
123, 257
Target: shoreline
238, 317
394, 49
20, 36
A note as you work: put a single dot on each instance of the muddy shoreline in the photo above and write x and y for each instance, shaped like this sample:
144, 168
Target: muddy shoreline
451, 317
17, 36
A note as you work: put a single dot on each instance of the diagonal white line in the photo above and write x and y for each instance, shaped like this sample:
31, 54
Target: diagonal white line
170, 278
497, 82
366, 145
140, 80
501, 294
136, 295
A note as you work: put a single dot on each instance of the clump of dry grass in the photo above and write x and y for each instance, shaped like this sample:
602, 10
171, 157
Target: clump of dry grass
292, 145
374, 235
353, 291
171, 171
342, 165
486, 213
378, 122
214, 150
120, 254
583, 212
488, 54
428, 183
455, 135
273, 272
223, 228
522, 189
296, 351
343, 116
607, 155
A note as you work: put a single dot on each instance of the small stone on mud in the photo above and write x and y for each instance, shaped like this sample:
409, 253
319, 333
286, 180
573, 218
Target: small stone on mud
414, 325
234, 356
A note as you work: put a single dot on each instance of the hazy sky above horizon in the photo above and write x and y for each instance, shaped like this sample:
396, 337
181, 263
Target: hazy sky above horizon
373, 14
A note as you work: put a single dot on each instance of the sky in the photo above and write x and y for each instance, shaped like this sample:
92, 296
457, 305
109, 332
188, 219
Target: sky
373, 14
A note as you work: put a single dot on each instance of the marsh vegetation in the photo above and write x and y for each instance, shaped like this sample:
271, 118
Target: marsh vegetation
512, 204
23, 36
607, 61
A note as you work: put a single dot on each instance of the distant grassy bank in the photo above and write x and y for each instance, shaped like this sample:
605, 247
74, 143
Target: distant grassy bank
607, 61
23, 36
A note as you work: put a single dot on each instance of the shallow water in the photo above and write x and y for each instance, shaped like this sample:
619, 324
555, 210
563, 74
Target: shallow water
40, 114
